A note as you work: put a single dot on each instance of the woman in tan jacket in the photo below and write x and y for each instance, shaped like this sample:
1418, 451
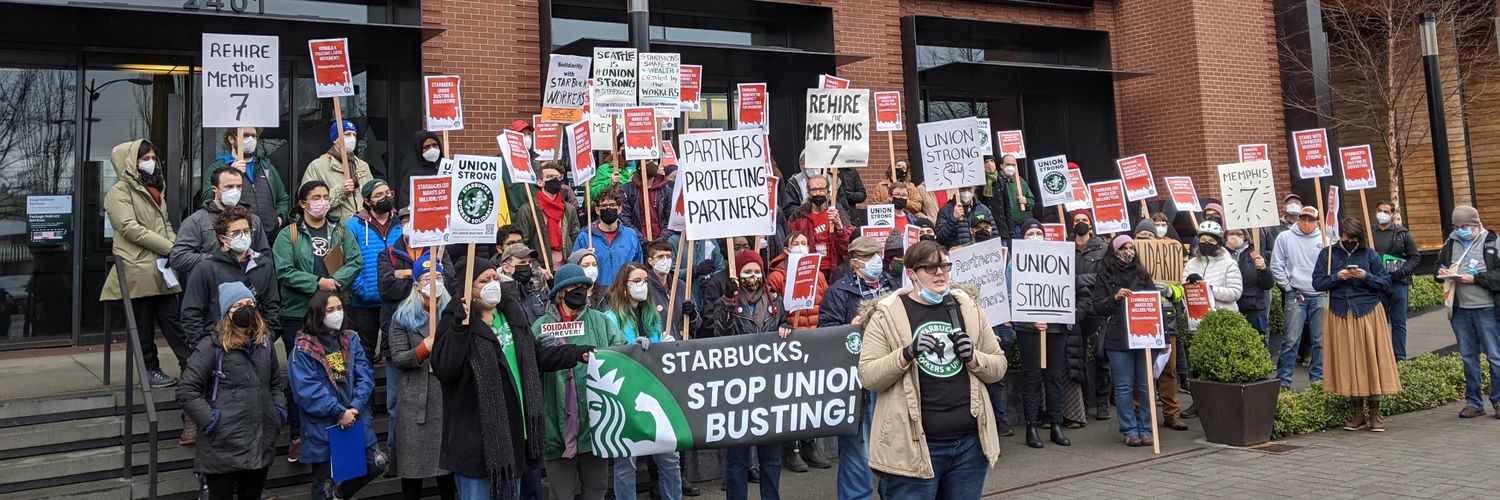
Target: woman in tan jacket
926, 348
918, 200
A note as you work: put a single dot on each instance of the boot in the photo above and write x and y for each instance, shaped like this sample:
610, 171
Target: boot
1033, 438
189, 435
1356, 415
1376, 425
1059, 438
812, 458
754, 476
792, 459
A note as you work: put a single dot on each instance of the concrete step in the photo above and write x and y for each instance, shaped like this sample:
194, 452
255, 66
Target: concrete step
105, 489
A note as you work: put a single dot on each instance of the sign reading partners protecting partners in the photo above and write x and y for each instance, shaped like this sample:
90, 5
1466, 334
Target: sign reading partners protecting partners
951, 156
241, 78
723, 188
1042, 282
983, 266
475, 213
724, 392
838, 128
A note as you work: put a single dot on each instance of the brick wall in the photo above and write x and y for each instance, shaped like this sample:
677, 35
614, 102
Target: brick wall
492, 45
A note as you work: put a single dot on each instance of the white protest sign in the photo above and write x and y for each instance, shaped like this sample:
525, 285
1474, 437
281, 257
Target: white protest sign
661, 83
614, 80
950, 153
1042, 282
241, 81
800, 291
880, 215
983, 266
567, 88
1052, 178
838, 128
678, 220
724, 193
986, 147
476, 199
1249, 191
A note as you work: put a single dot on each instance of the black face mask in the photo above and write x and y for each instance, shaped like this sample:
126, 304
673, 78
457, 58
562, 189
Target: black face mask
900, 203
609, 215
522, 274
576, 298
243, 317
1350, 246
818, 200
552, 186
927, 237
1081, 229
1208, 249
901, 174
982, 235
383, 206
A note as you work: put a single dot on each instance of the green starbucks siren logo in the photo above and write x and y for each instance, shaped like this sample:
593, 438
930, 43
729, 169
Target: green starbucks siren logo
944, 363
631, 413
852, 342
475, 201
1055, 182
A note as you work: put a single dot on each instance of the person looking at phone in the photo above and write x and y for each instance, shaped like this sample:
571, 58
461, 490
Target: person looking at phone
1360, 364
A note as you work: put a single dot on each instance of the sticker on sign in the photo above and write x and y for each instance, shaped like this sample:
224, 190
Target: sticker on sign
563, 329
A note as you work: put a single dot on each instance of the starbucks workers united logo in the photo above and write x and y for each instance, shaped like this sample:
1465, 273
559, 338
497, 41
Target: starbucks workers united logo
475, 202
631, 413
1055, 182
943, 363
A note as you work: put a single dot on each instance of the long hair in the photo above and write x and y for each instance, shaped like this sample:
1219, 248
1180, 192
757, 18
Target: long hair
230, 338
312, 320
411, 314
158, 178
620, 301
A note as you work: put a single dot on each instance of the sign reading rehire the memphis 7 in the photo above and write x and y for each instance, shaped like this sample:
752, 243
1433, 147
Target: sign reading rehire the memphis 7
241, 81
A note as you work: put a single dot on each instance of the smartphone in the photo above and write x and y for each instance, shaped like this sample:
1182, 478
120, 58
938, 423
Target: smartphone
1351, 267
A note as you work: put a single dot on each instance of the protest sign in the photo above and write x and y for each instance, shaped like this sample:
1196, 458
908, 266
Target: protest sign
476, 199
772, 183
752, 106
1254, 152
1083, 199
832, 82
1249, 191
986, 147
241, 81
888, 111
1199, 300
330, 61
1312, 153
1184, 195
950, 153
1054, 232
677, 221
1143, 323
661, 82
692, 87
910, 236
567, 88
801, 281
723, 392
725, 192
429, 210
614, 80
517, 158
1011, 143
1110, 212
443, 107
583, 153
668, 154
1136, 172
838, 128
982, 265
545, 137
603, 132
1052, 178
880, 215
1359, 171
641, 141
563, 329
1042, 282
1331, 215
879, 234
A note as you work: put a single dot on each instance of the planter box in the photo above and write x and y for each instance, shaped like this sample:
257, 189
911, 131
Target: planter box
1236, 414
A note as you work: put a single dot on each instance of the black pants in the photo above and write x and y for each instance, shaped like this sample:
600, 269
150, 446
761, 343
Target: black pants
366, 322
160, 312
289, 329
323, 489
1097, 371
411, 489
241, 485
1035, 378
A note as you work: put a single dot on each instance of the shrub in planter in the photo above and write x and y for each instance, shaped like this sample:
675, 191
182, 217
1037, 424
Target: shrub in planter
1227, 349
1236, 402
1426, 293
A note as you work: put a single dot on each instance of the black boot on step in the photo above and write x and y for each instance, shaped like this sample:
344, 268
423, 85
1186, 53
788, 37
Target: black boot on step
1033, 438
1059, 438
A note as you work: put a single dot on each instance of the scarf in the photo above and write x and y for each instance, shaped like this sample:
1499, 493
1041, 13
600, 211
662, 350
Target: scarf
552, 212
494, 420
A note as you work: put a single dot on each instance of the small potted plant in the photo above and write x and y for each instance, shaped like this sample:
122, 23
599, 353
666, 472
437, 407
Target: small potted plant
1236, 400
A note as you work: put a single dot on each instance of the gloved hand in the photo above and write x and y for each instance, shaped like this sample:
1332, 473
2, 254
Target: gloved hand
922, 344
1194, 278
644, 342
689, 310
583, 352
704, 268
667, 337
731, 287
963, 346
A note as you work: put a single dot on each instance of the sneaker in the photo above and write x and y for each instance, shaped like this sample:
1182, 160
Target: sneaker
754, 476
159, 380
1145, 440
294, 450
1471, 412
1132, 441
189, 435
689, 490
1101, 412
1174, 423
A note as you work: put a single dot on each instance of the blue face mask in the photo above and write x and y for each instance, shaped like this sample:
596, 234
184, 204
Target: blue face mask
873, 267
931, 297
1465, 234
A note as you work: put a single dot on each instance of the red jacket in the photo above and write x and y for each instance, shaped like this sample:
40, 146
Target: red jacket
805, 319
837, 243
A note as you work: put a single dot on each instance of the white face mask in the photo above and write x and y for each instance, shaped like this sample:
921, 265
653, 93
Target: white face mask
638, 291
814, 172
230, 197
528, 142
349, 143
966, 196
431, 154
1236, 242
334, 320
426, 289
239, 244
148, 166
592, 273
663, 265
248, 145
1293, 208
799, 249
1383, 218
1010, 171
491, 293
1161, 231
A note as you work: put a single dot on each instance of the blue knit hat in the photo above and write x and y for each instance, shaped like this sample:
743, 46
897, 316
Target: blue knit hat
422, 266
232, 292
333, 129
566, 276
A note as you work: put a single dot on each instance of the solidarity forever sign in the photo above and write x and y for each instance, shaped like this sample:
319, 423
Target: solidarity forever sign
567, 88
801, 281
1052, 178
1136, 172
241, 81
583, 153
724, 191
641, 141
1012, 142
1143, 320
614, 80
1249, 191
430, 203
1042, 276
661, 82
331, 74
752, 109
476, 207
442, 104
951, 153
983, 265
888, 111
1312, 153
692, 87
1359, 169
1184, 195
722, 392
838, 128
1110, 212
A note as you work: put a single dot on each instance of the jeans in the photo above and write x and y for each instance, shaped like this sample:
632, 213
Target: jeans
1477, 329
1036, 381
473, 488
289, 329
1130, 374
1310, 313
669, 476
531, 485
737, 468
1007, 338
854, 477
958, 473
1261, 322
1396, 298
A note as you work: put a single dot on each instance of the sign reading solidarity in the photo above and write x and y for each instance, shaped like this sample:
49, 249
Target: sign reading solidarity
725, 193
986, 147
614, 80
430, 202
331, 74
752, 108
982, 265
563, 329
1011, 143
641, 142
722, 392
517, 158
1359, 170
583, 153
692, 87
1199, 300
546, 137
1312, 153
1184, 195
1143, 322
888, 111
567, 88
838, 128
476, 200
832, 82
1249, 191
241, 81
880, 215
1042, 282
1254, 152
1110, 212
661, 82
1052, 178
1082, 198
950, 153
802, 281
1136, 172
443, 106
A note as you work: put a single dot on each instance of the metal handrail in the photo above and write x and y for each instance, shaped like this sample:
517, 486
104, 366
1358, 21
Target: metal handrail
133, 358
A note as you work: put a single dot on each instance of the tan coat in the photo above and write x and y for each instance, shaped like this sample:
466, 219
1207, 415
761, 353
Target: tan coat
918, 200
898, 444
329, 169
143, 232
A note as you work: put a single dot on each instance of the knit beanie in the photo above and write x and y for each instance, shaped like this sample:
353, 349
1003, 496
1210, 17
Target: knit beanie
232, 292
744, 258
1464, 215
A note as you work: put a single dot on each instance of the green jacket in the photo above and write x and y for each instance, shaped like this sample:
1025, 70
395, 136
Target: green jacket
522, 220
598, 331
294, 265
329, 169
600, 182
143, 233
1017, 215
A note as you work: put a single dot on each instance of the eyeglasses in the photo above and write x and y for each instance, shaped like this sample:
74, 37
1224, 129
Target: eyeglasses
609, 205
242, 232
935, 268
637, 281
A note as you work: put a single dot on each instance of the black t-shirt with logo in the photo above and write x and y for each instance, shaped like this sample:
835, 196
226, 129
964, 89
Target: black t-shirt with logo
944, 379
319, 238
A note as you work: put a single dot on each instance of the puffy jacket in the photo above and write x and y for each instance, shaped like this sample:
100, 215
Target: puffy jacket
1109, 311
143, 232
918, 200
1359, 296
1222, 272
842, 300
319, 402
266, 195
601, 182
329, 169
200, 301
806, 318
238, 400
371, 243
1255, 297
527, 225
953, 231
294, 265
612, 255
1402, 246
598, 331
197, 241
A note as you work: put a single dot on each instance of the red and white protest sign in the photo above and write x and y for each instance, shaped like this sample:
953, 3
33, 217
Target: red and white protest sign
1143, 320
429, 210
668, 154
443, 106
580, 138
1199, 301
888, 111
641, 142
1054, 232
331, 75
801, 281
1312, 153
1082, 199
1254, 152
1184, 195
752, 108
910, 236
692, 87
879, 234
517, 158
1139, 183
563, 329
678, 220
1359, 168
832, 82
772, 182
545, 137
1011, 143
1110, 213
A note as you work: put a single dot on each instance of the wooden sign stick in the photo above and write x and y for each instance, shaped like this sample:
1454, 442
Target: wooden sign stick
644, 172
890, 144
1043, 349
1151, 398
1322, 217
1364, 203
672, 287
689, 291
338, 120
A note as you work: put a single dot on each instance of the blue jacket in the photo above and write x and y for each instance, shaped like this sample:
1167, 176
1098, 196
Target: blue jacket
612, 256
1361, 295
319, 404
367, 236
841, 300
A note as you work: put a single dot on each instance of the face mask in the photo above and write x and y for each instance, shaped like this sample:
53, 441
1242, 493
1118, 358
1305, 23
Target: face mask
230, 197
491, 293
576, 298
818, 200
638, 291
966, 196
248, 145
799, 249
334, 320
750, 281
1036, 237
384, 206
552, 186
1293, 208
1010, 171
1081, 229
982, 235
1465, 234
319, 208
1161, 231
426, 289
930, 296
592, 273
900, 203
148, 166
522, 273
927, 237
1383, 218
901, 174
1208, 249
609, 215
244, 317
350, 142
239, 244
662, 266
1125, 255
1350, 246
431, 155
872, 267
527, 139
1236, 242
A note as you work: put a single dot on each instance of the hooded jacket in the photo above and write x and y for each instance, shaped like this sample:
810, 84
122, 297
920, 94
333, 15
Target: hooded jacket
294, 265
200, 300
371, 243
238, 400
319, 402
1109, 311
422, 168
265, 194
197, 241
1222, 272
143, 232
330, 169
1255, 297
1293, 260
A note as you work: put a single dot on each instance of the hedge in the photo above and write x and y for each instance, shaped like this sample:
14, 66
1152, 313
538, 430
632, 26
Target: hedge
1427, 381
1426, 293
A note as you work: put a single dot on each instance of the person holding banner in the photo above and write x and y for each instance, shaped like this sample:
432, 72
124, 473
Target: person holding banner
1037, 382
798, 243
1401, 256
1256, 281
1473, 283
419, 393
956, 220
1006, 205
329, 168
614, 243
1360, 363
829, 228
1120, 274
332, 381
1292, 263
558, 212
261, 187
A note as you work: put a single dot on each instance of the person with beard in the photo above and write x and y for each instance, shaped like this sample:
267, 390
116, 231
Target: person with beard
1089, 257
261, 187
956, 220
1120, 275
429, 153
825, 225
329, 168
196, 240
1360, 363
796, 191
631, 214
1293, 263
375, 229
559, 215
613, 243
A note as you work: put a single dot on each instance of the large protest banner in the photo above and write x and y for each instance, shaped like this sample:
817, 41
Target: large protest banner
801, 281
752, 106
430, 203
888, 111
331, 74
641, 141
1042, 282
614, 80
1136, 172
724, 189
567, 88
950, 153
1312, 153
443, 107
1011, 142
724, 392
1249, 191
1184, 195
983, 266
1052, 177
1254, 152
661, 82
692, 87
1359, 169
241, 81
477, 202
1110, 213
838, 128
1143, 320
